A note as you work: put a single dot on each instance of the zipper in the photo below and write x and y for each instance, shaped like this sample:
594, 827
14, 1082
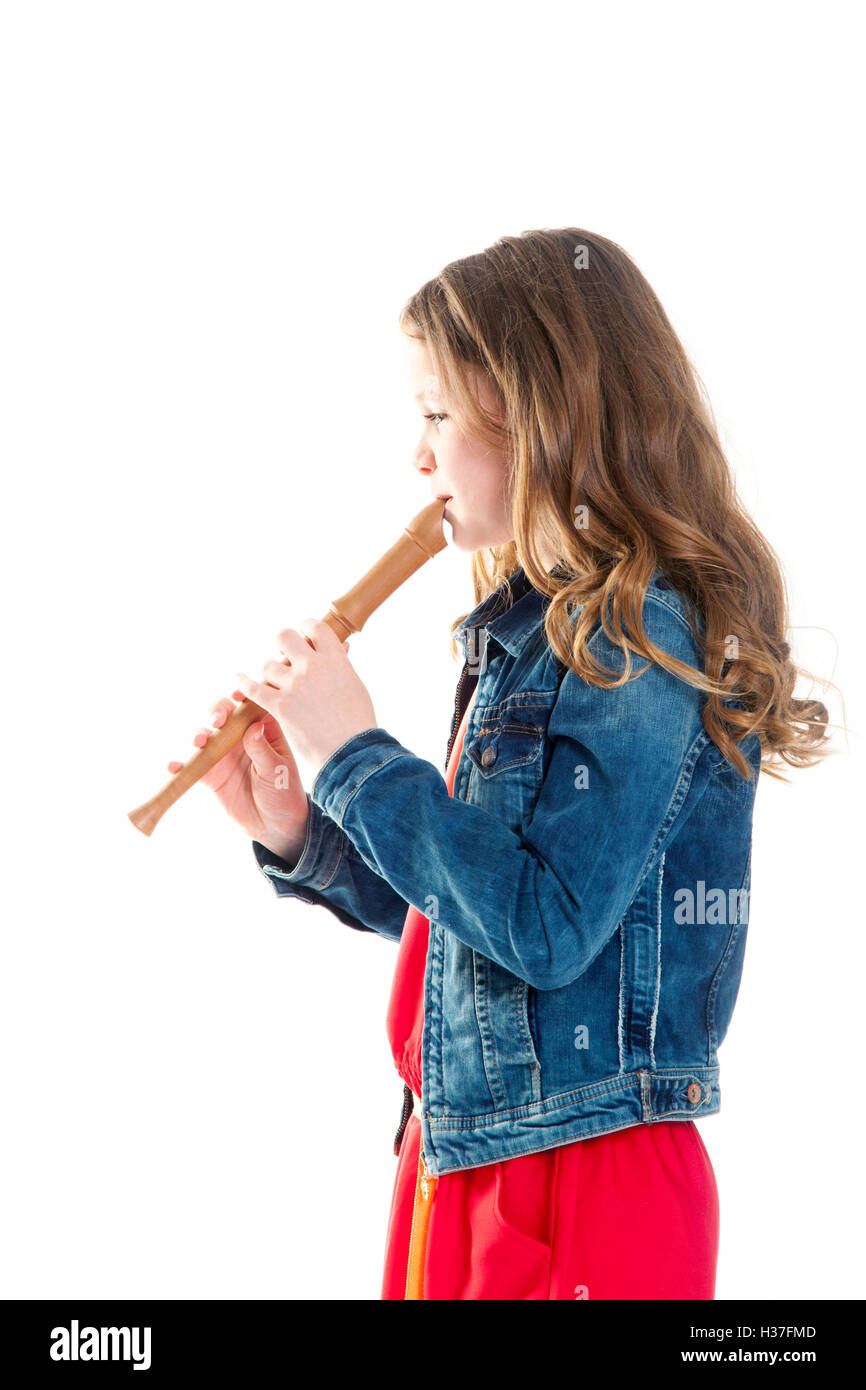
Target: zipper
411, 1257
418, 1231
459, 710
425, 1175
404, 1117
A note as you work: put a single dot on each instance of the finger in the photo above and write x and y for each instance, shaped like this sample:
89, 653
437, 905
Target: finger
321, 633
203, 735
294, 645
255, 738
275, 736
262, 754
220, 712
263, 695
277, 673
175, 767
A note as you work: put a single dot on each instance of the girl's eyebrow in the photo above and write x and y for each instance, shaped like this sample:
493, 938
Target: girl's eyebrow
430, 390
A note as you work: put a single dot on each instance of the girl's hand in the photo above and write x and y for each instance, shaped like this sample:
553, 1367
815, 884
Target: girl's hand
319, 700
257, 782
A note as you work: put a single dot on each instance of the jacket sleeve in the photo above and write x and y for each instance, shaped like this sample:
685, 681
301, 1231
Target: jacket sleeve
544, 901
331, 873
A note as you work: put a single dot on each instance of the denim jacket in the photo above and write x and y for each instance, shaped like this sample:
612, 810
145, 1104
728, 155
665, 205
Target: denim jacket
586, 885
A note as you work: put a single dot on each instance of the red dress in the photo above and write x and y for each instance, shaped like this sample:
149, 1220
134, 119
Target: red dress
628, 1215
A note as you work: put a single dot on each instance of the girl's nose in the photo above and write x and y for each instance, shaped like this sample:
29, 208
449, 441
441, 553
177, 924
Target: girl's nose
422, 459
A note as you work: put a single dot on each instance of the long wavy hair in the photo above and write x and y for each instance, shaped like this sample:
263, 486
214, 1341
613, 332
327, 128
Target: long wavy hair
614, 464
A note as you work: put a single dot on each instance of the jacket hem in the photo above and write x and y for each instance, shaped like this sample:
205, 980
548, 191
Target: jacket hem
455, 1142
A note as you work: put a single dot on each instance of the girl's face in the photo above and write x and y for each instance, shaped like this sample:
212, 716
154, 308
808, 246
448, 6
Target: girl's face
469, 474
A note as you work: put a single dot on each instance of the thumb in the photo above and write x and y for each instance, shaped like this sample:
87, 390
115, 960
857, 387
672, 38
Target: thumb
262, 754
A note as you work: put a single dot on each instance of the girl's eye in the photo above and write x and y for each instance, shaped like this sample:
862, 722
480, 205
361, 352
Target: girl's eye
436, 417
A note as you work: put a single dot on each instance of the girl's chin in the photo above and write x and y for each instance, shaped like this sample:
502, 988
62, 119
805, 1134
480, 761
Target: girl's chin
467, 541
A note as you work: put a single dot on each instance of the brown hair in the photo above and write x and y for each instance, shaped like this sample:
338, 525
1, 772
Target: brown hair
614, 460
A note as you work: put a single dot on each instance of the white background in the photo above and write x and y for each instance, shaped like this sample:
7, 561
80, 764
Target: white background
212, 216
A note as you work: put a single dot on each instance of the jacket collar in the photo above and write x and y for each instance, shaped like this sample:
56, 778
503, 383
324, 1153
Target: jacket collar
512, 622
509, 614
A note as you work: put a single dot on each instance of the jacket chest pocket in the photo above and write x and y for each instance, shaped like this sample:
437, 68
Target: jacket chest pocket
505, 760
500, 748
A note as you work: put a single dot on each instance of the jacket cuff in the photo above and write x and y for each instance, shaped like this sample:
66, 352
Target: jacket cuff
349, 766
319, 859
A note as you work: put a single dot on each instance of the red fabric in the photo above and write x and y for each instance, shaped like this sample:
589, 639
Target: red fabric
628, 1215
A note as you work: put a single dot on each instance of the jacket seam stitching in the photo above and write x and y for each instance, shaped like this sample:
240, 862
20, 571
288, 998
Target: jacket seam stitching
361, 780
619, 1027
715, 984
654, 1016
675, 805
329, 880
590, 1092
657, 598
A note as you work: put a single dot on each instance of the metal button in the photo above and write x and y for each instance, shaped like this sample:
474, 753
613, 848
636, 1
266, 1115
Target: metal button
695, 1093
488, 755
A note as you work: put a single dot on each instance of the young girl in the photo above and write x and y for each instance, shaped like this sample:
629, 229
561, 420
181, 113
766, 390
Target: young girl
571, 901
